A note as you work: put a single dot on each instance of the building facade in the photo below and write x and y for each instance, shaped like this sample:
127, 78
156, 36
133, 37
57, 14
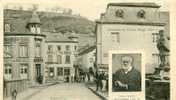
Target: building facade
61, 51
129, 26
23, 59
33, 57
87, 58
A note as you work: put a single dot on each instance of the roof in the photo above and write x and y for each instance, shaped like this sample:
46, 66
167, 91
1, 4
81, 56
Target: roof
22, 34
73, 35
58, 37
130, 22
35, 18
85, 39
129, 4
87, 50
18, 20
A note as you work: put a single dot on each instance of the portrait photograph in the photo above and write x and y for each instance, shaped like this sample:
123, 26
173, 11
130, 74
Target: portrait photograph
126, 72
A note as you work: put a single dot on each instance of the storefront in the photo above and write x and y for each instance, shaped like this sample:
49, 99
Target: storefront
59, 74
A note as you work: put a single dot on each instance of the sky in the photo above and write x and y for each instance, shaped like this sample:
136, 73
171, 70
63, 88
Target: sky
90, 9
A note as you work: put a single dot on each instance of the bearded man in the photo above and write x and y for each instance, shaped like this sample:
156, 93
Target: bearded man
127, 78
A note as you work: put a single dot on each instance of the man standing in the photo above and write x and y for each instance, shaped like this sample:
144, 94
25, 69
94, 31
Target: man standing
127, 78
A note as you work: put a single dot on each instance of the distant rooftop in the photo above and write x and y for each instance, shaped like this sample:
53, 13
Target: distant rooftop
87, 49
34, 18
142, 4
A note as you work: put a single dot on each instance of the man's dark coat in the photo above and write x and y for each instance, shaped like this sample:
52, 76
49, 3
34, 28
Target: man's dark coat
132, 79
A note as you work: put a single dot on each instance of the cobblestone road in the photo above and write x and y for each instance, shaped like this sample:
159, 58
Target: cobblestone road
65, 91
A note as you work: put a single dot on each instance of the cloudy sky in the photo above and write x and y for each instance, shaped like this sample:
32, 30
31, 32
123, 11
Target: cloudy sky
87, 8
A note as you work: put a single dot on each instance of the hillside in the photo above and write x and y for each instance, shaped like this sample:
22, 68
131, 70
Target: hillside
54, 21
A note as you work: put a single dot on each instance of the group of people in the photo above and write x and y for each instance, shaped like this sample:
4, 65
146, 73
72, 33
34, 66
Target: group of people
82, 77
101, 80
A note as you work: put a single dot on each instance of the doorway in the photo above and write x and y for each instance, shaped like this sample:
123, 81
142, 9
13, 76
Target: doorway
39, 77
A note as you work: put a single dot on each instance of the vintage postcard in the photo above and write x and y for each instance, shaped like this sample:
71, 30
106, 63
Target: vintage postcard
87, 50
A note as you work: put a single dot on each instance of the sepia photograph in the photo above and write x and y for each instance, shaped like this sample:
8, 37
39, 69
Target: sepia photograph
73, 50
126, 75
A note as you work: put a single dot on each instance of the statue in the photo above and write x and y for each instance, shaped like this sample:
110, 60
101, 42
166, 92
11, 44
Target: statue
163, 49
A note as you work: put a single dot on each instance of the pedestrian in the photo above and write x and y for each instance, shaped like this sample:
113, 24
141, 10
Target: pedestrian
14, 94
106, 75
97, 80
88, 76
103, 82
84, 77
100, 80
72, 77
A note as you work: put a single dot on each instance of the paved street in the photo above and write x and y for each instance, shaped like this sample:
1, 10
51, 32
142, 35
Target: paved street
66, 91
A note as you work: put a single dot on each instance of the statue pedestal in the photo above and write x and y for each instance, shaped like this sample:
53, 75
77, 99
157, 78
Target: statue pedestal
162, 72
157, 84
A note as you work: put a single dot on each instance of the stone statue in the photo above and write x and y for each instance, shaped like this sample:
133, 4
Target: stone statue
162, 47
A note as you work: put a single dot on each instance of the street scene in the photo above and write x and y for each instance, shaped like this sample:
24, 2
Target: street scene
65, 92
53, 53
59, 92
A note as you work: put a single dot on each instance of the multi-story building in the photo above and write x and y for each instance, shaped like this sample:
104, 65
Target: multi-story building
61, 51
129, 26
23, 59
87, 58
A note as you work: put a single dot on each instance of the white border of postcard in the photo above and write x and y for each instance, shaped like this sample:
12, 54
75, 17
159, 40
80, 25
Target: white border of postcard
127, 95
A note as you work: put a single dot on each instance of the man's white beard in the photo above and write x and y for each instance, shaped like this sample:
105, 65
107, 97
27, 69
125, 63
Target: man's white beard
126, 68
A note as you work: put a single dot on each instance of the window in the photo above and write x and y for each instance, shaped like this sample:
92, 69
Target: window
115, 36
38, 49
67, 47
50, 48
7, 50
155, 37
59, 48
75, 47
24, 71
91, 60
59, 59
67, 59
7, 27
23, 51
35, 29
141, 14
38, 29
66, 71
8, 71
50, 58
119, 13
51, 72
32, 29
59, 71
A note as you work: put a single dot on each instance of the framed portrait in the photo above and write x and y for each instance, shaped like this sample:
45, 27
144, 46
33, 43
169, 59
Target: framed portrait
126, 72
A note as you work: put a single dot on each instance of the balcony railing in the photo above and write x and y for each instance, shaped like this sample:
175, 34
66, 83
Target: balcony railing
38, 59
51, 63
